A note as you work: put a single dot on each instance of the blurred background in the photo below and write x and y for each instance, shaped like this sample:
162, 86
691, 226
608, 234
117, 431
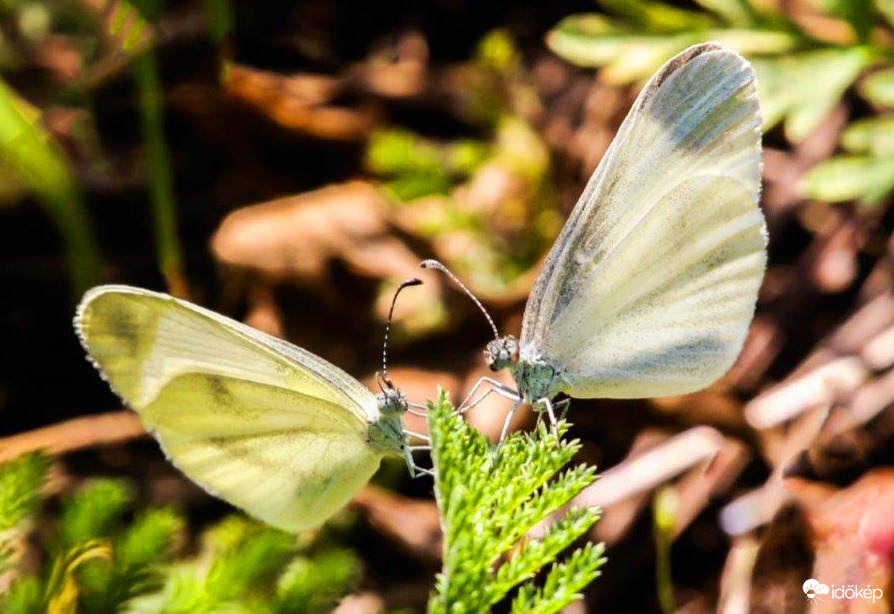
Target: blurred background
289, 163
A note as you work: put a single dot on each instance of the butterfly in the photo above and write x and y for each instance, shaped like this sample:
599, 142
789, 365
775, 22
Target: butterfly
651, 285
259, 422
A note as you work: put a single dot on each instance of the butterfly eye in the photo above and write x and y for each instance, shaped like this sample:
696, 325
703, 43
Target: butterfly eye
501, 353
392, 401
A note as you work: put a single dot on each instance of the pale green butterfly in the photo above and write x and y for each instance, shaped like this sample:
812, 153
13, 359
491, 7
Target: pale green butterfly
651, 285
254, 420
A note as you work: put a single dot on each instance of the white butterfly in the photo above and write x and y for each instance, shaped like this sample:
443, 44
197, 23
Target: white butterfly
257, 421
652, 283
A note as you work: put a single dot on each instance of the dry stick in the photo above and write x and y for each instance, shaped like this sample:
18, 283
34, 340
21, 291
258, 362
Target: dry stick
85, 432
653, 467
735, 581
838, 377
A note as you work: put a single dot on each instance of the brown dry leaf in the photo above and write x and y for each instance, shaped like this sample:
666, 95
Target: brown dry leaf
361, 603
62, 58
782, 564
296, 102
399, 70
819, 24
297, 236
853, 531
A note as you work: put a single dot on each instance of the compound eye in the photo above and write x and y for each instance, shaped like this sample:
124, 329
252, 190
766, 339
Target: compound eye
501, 353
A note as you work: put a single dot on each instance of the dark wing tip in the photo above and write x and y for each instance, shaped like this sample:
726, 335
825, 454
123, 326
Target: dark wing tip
683, 58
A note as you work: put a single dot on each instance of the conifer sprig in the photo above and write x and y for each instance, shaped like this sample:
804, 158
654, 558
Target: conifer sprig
490, 500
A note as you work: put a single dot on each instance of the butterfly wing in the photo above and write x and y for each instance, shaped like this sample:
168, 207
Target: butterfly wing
651, 285
257, 421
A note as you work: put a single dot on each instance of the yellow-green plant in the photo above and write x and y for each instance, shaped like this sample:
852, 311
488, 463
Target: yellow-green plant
489, 501
102, 555
100, 560
803, 71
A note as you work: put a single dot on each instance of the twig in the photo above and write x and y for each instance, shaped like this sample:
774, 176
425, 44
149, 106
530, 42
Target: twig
79, 433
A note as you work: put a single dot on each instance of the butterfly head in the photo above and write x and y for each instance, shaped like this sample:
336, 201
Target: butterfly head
390, 400
501, 353
387, 432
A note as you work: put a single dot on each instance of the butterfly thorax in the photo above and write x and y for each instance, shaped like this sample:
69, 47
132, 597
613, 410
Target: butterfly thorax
387, 433
534, 377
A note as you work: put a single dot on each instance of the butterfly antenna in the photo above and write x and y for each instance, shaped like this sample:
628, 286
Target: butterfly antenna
434, 264
405, 284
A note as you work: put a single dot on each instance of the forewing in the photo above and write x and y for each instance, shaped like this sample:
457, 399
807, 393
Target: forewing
651, 285
140, 340
261, 423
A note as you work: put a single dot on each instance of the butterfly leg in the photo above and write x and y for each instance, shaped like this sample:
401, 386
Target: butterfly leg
562, 408
507, 393
509, 416
548, 406
415, 470
495, 386
421, 436
417, 409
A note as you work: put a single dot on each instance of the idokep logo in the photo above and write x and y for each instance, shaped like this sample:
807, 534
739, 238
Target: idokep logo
814, 590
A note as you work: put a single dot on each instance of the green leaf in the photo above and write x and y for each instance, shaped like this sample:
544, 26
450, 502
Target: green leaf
137, 565
20, 482
28, 150
873, 135
248, 555
246, 568
886, 9
799, 84
879, 87
629, 55
243, 567
535, 554
219, 16
313, 585
733, 12
756, 42
62, 589
563, 583
845, 178
646, 15
417, 167
497, 50
594, 41
158, 170
25, 596
802, 89
93, 513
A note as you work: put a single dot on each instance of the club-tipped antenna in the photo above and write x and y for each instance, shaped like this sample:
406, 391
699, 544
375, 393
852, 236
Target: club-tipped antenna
405, 284
434, 264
